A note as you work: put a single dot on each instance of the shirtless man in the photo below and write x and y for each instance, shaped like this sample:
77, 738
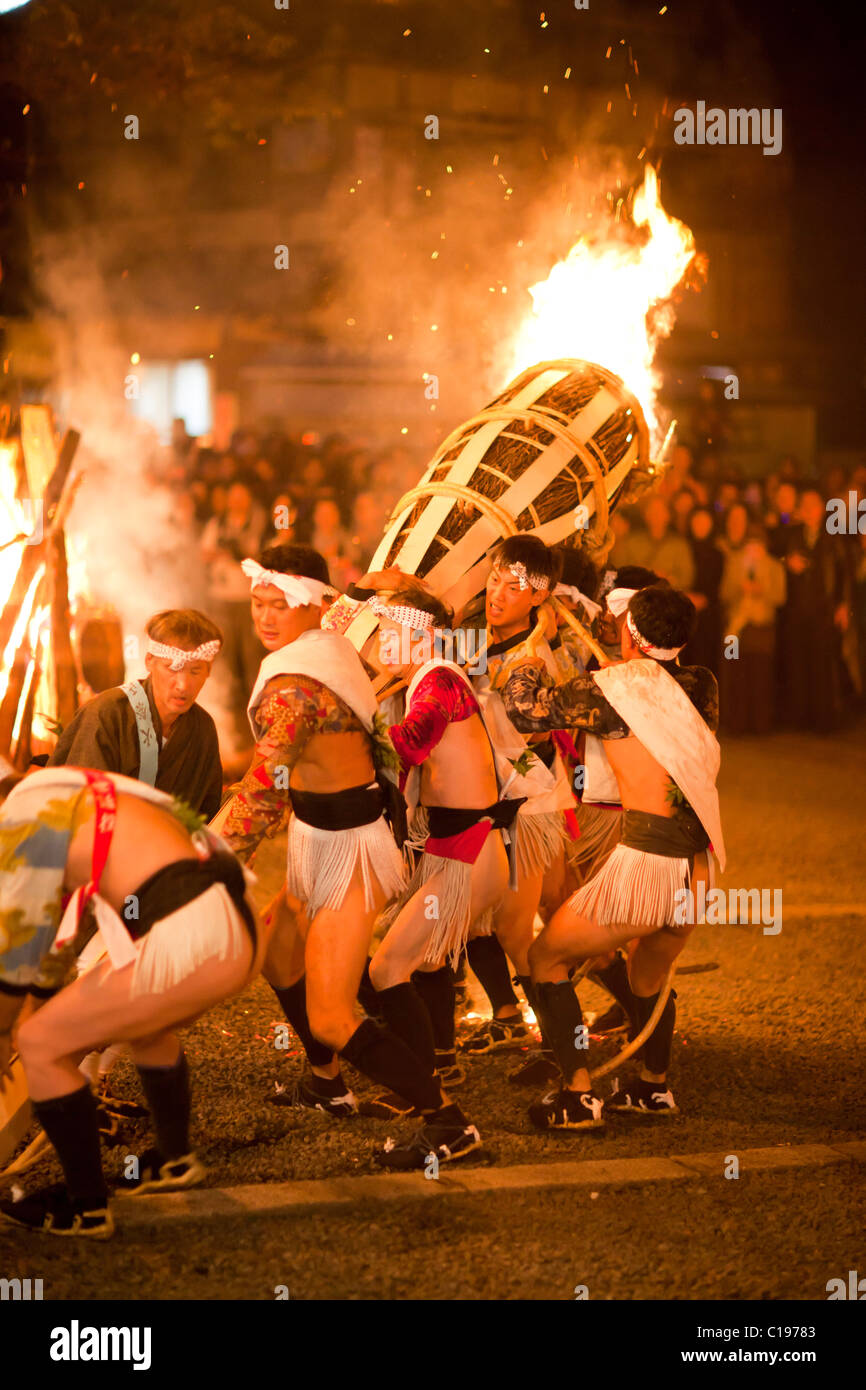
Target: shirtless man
319, 744
656, 719
449, 774
524, 573
185, 940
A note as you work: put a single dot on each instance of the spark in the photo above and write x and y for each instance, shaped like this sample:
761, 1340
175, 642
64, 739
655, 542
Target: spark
25, 109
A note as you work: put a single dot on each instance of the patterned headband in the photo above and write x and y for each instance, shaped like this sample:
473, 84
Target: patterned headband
298, 589
414, 618
538, 581
657, 653
180, 658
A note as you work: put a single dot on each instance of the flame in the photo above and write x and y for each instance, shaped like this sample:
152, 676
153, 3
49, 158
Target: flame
609, 301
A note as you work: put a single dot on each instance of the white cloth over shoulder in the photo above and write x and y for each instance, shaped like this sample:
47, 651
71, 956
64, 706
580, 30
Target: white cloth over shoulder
661, 715
327, 657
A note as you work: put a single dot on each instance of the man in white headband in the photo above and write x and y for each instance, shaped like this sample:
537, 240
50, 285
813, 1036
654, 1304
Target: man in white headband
657, 719
524, 573
153, 730
322, 752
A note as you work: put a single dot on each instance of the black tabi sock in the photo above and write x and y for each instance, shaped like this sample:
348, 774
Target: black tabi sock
293, 1002
614, 978
439, 993
406, 1016
656, 1051
166, 1091
72, 1126
387, 1060
490, 964
559, 1012
525, 982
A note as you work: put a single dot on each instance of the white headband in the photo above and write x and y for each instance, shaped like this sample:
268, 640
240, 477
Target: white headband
518, 569
657, 653
414, 618
570, 592
299, 589
618, 600
180, 658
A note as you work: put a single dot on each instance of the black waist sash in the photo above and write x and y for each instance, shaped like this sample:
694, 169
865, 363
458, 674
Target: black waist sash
445, 821
177, 884
339, 810
676, 837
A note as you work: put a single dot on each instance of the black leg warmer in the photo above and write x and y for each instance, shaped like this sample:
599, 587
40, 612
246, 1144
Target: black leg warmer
293, 1002
656, 1051
490, 964
560, 1014
166, 1091
72, 1126
437, 989
525, 982
389, 1062
404, 1013
614, 978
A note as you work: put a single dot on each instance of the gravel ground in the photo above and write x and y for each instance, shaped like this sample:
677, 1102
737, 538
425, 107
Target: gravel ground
768, 1235
768, 1050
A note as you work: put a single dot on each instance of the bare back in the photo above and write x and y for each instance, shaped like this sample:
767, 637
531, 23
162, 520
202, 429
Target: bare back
146, 838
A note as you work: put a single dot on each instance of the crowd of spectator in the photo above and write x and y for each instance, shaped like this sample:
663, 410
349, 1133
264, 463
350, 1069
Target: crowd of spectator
269, 488
781, 600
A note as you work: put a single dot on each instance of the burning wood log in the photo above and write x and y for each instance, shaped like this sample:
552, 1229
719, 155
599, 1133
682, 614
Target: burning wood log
34, 555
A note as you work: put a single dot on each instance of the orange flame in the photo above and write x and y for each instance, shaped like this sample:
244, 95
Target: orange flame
609, 302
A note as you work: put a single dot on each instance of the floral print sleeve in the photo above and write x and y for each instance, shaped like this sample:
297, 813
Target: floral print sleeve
287, 718
534, 704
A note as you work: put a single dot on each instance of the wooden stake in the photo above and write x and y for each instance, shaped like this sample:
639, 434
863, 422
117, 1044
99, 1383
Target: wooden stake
62, 658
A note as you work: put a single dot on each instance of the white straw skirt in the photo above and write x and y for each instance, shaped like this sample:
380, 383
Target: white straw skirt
210, 927
632, 888
600, 830
538, 840
322, 864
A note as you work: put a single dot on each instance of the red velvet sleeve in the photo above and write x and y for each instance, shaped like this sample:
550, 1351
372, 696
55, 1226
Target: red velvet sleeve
442, 698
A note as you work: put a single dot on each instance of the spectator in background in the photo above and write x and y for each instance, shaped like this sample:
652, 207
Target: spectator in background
781, 517
682, 504
736, 524
660, 549
225, 541
752, 589
815, 615
330, 540
705, 647
369, 516
283, 516
727, 493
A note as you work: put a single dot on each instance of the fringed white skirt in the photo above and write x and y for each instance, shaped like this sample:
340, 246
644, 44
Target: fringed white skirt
633, 888
210, 927
322, 864
537, 841
450, 922
600, 831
